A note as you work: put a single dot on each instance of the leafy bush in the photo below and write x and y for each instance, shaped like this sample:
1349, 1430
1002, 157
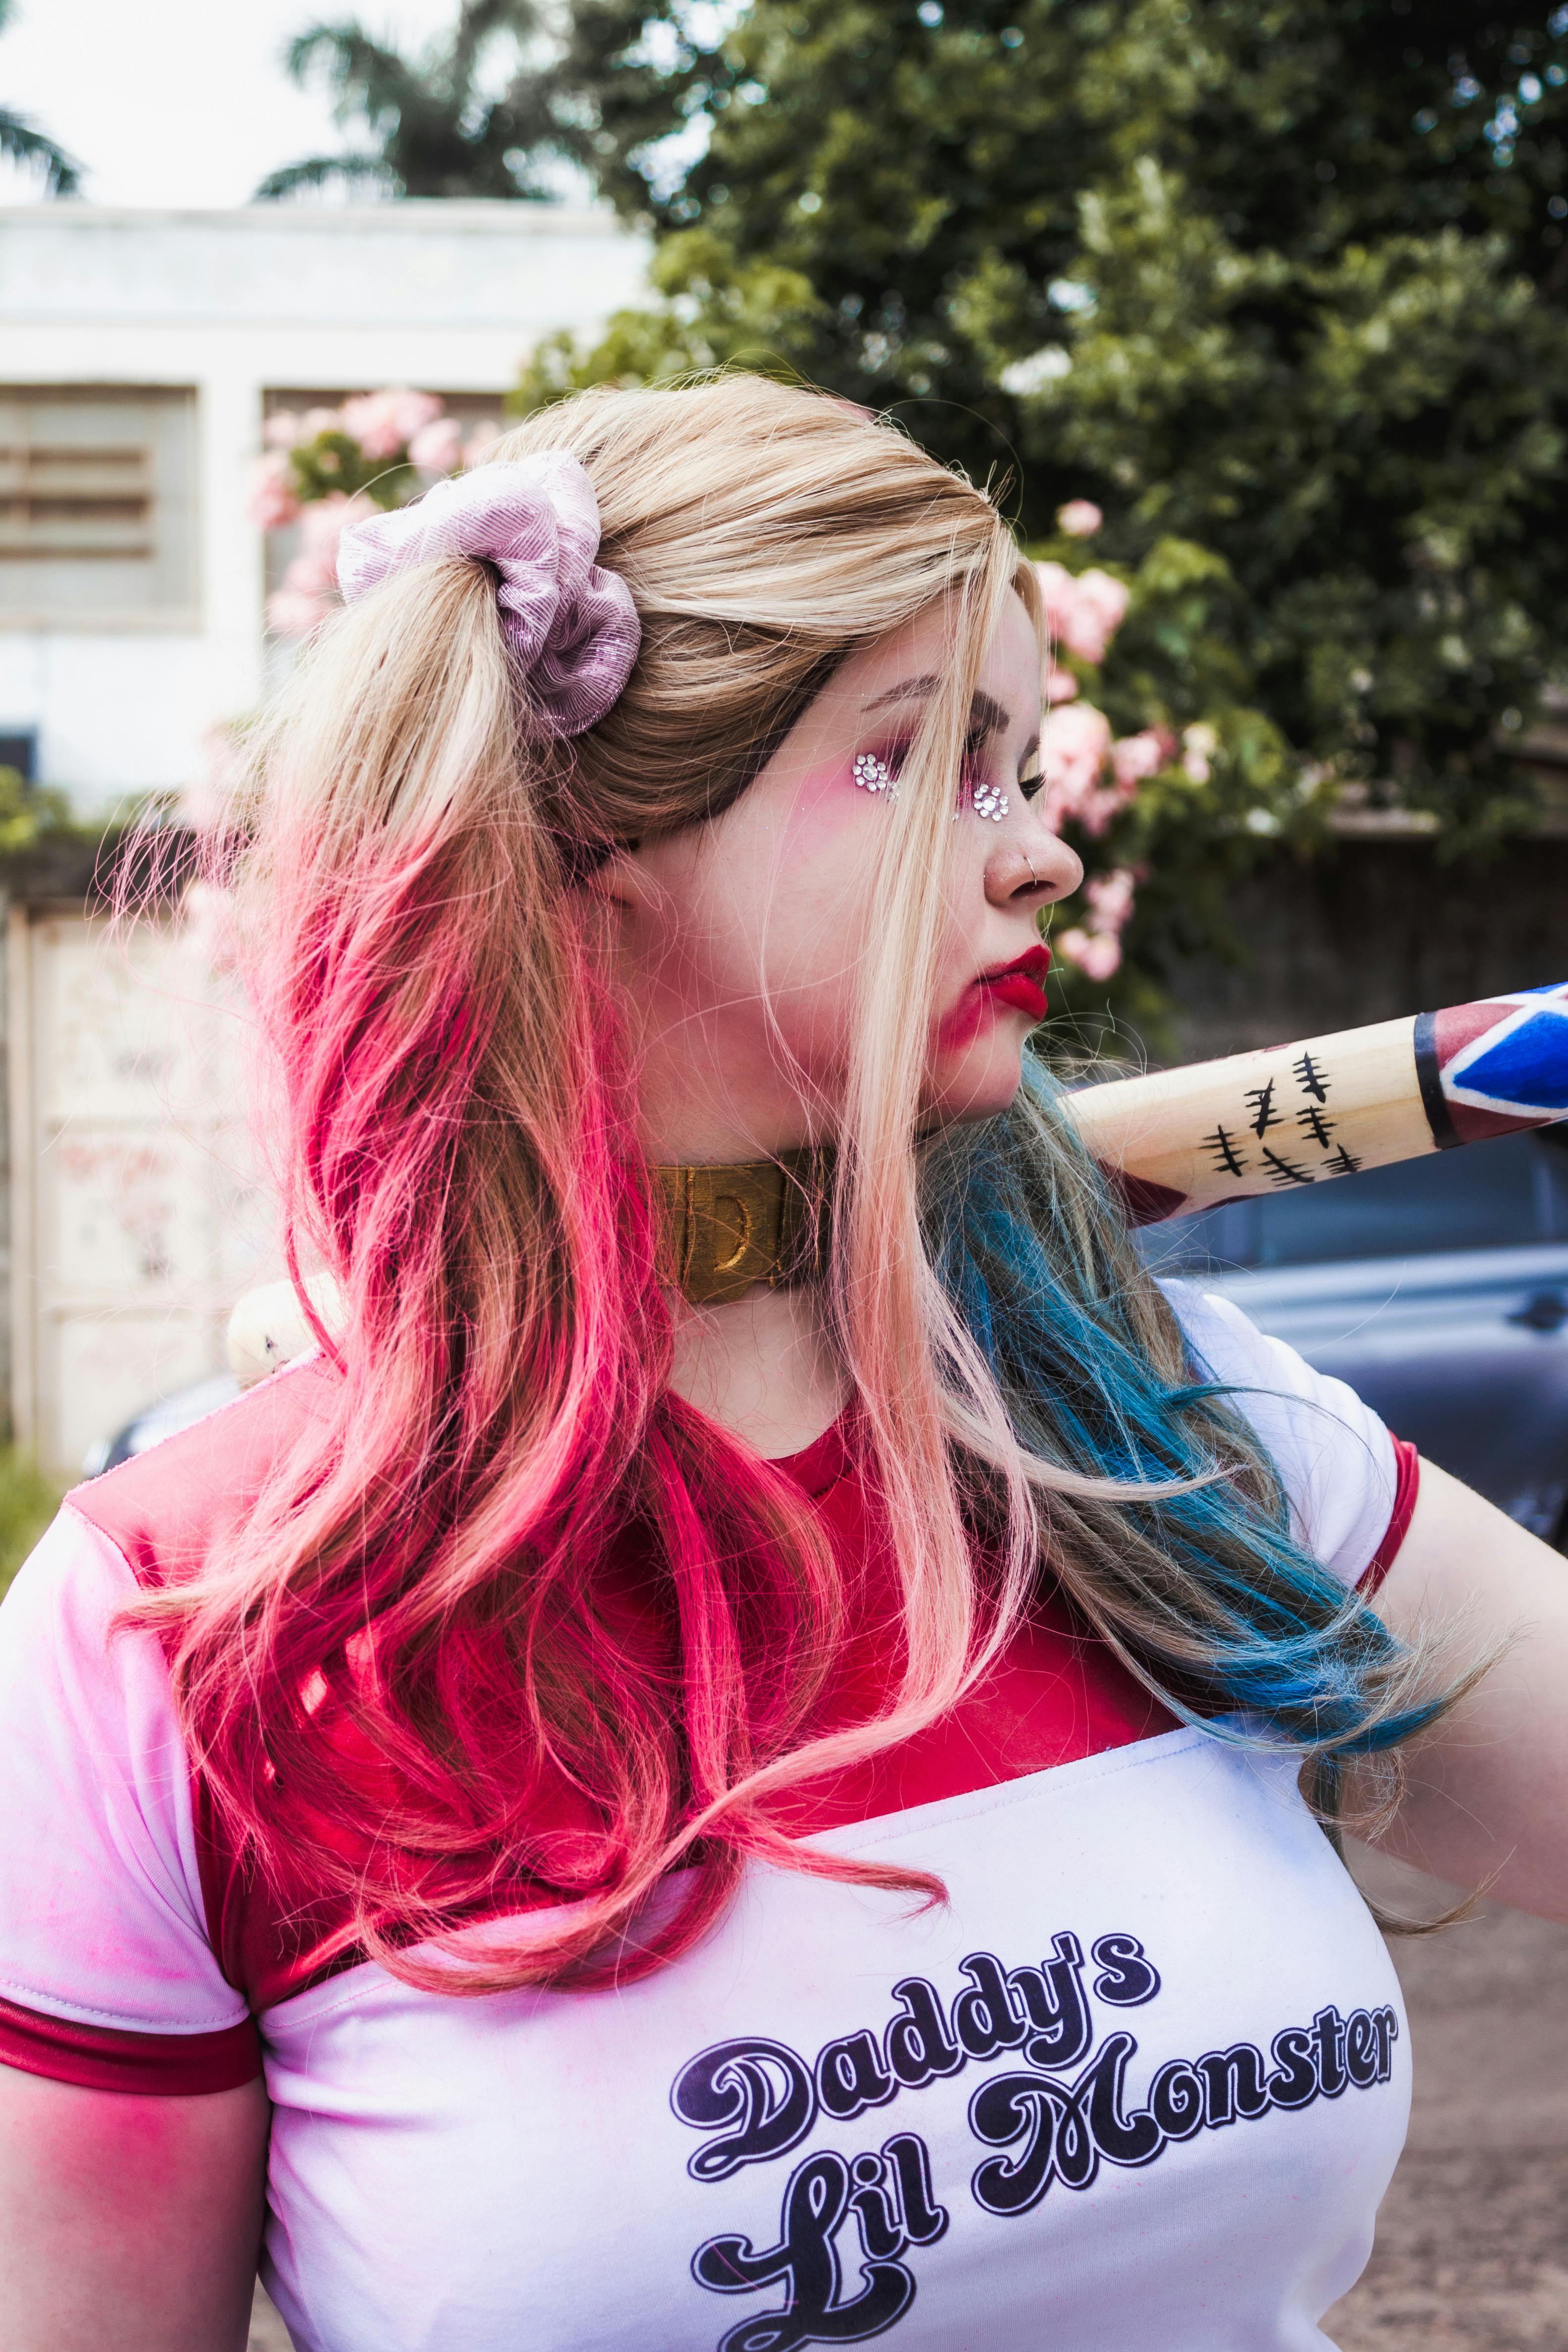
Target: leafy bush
29, 1501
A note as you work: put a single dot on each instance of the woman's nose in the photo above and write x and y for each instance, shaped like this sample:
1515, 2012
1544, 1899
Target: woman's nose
1033, 866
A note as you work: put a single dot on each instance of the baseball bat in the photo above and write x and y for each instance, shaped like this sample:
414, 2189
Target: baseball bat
1272, 1120
1284, 1117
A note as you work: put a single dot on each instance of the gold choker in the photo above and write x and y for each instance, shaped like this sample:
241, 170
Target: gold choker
763, 1222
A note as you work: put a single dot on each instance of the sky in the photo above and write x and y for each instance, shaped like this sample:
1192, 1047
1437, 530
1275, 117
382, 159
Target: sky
177, 102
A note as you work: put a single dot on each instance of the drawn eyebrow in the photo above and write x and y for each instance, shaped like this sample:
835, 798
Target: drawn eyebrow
987, 714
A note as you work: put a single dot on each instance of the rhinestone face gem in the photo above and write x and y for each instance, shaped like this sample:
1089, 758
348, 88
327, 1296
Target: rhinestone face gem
988, 800
874, 775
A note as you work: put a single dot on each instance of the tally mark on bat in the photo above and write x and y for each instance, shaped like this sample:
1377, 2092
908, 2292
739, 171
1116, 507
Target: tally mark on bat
1312, 1122
1264, 1115
1225, 1152
1309, 1079
1283, 1172
1343, 1163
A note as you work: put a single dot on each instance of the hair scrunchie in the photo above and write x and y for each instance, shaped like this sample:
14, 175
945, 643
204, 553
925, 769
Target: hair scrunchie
571, 628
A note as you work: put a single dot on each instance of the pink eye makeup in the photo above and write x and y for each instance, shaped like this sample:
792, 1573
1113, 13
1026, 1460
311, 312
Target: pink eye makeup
873, 773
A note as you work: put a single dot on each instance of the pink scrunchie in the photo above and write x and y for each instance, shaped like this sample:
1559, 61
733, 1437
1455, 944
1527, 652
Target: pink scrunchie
571, 629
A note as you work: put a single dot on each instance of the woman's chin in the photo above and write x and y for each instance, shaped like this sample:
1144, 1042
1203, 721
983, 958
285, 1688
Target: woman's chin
980, 1084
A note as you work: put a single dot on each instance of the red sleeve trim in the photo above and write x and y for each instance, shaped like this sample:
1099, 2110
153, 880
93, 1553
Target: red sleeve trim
100, 2058
1407, 1486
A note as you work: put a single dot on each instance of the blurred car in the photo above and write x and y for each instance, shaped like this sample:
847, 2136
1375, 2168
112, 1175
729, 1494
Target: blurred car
181, 1411
1438, 1287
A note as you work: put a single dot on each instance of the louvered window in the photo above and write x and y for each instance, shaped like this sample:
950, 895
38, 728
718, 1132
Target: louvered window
96, 507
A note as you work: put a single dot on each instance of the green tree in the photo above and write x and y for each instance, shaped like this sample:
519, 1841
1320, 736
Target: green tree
21, 142
1280, 283
435, 124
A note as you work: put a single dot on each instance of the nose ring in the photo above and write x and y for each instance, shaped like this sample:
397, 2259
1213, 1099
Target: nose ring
1034, 878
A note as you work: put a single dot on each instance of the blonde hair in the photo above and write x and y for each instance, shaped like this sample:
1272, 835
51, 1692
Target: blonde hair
456, 1144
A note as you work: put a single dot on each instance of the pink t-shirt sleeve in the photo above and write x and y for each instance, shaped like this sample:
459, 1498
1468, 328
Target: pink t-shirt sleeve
107, 1974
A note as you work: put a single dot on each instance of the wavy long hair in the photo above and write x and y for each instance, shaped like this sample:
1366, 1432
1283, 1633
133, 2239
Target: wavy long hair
453, 1142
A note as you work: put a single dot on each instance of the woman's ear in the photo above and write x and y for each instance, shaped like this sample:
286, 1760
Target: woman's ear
622, 880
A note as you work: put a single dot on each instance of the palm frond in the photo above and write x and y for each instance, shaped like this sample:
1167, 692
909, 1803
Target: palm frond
323, 171
477, 20
20, 143
364, 75
433, 132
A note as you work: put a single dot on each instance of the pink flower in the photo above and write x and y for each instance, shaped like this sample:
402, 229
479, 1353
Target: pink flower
482, 439
312, 573
317, 421
1084, 610
1095, 945
1075, 743
438, 447
384, 422
1110, 901
1097, 955
1135, 757
273, 501
1100, 610
324, 521
291, 614
281, 431
1079, 519
1060, 684
1101, 807
310, 589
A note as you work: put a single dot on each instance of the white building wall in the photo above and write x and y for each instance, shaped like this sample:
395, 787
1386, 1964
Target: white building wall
450, 297
131, 1219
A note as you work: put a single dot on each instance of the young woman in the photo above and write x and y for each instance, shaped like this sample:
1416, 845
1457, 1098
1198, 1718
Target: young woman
719, 1766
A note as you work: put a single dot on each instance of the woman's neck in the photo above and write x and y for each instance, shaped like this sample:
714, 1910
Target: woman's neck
763, 1367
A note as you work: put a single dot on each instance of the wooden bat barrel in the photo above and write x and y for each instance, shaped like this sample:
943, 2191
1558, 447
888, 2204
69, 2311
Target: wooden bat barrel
1272, 1121
1306, 1113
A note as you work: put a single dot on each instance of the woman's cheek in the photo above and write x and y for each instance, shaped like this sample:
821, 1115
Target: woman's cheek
826, 809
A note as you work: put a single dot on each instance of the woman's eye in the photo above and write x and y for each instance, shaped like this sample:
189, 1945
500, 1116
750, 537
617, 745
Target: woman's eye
1029, 785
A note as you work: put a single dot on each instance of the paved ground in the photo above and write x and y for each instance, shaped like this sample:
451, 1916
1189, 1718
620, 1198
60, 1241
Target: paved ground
1472, 2241
267, 2332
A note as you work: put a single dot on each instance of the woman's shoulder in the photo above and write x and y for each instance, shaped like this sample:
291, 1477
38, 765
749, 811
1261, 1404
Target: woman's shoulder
103, 1928
165, 1509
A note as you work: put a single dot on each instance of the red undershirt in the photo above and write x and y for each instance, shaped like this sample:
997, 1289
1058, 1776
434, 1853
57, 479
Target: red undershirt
1055, 1694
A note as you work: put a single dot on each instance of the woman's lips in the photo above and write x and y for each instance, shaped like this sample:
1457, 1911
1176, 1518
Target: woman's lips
1021, 984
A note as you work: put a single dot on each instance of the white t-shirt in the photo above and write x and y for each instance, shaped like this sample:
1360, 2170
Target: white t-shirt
1140, 2083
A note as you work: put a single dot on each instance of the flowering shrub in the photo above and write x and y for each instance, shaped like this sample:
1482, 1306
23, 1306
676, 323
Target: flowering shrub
325, 468
1164, 805
1090, 775
1095, 944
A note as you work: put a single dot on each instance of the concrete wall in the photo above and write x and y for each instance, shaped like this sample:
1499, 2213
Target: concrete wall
1371, 928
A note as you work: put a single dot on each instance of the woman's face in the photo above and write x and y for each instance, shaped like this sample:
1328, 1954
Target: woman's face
739, 944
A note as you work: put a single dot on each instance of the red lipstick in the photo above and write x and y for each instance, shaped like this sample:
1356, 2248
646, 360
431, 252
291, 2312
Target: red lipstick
1021, 984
